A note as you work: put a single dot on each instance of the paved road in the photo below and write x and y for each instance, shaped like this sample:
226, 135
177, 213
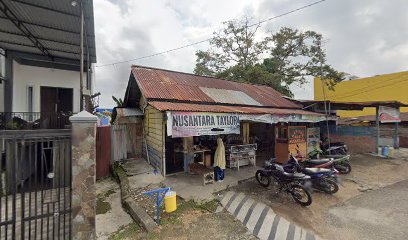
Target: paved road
261, 219
379, 214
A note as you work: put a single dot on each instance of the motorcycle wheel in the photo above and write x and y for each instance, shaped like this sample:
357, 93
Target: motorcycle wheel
301, 195
262, 179
343, 168
329, 186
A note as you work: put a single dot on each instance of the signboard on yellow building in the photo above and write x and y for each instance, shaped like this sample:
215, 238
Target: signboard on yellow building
389, 114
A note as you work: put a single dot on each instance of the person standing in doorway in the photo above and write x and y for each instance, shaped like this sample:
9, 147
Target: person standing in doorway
219, 161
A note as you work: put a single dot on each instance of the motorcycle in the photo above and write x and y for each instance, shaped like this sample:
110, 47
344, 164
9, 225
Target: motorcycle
341, 163
322, 179
335, 148
296, 184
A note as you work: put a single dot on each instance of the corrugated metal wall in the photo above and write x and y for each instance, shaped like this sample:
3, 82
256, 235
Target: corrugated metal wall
134, 140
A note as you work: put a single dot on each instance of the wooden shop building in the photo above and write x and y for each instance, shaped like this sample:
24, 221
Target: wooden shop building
184, 114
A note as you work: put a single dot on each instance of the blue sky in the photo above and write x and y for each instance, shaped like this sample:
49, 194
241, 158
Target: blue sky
364, 38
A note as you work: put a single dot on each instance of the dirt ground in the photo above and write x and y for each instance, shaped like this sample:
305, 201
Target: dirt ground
327, 216
368, 174
190, 221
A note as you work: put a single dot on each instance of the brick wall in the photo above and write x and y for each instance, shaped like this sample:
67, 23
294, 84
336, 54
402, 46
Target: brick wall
403, 141
356, 144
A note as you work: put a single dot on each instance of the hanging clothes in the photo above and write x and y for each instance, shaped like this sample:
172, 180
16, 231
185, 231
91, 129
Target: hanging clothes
219, 160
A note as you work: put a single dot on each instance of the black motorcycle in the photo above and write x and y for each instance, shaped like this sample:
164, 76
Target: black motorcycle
296, 184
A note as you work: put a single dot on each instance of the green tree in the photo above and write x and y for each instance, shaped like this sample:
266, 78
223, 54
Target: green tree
119, 102
279, 60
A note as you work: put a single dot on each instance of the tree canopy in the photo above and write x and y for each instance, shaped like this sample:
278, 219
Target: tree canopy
278, 60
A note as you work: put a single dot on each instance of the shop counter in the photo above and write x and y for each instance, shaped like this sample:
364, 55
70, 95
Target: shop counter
241, 155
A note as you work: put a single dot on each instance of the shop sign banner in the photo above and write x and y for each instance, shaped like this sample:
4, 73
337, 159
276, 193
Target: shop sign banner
262, 118
297, 135
277, 118
185, 124
313, 139
389, 114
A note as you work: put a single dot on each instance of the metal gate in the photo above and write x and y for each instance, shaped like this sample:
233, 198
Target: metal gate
103, 151
36, 188
119, 142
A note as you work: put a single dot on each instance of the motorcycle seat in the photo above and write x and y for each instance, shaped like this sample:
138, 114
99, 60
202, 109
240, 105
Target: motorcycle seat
295, 175
318, 161
316, 170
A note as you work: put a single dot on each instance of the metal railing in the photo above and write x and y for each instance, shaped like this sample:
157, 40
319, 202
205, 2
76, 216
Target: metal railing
34, 120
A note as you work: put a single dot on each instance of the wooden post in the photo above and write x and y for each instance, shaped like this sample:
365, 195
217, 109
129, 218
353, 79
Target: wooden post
396, 143
245, 132
377, 122
188, 143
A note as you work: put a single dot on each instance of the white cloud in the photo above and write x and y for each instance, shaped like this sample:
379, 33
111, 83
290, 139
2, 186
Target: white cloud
365, 37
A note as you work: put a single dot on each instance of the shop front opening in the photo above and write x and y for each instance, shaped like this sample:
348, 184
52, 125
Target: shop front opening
183, 151
174, 154
263, 135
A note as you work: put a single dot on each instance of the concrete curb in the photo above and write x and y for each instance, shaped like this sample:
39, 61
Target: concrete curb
137, 213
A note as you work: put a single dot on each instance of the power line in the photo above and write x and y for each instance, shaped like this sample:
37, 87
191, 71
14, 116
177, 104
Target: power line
365, 88
369, 90
208, 39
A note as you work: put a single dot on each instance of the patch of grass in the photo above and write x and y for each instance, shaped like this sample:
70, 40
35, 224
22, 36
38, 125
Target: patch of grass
125, 232
102, 207
184, 206
153, 235
174, 217
210, 206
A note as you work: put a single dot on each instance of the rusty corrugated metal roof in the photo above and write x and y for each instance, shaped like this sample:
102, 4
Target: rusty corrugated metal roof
159, 84
229, 96
191, 107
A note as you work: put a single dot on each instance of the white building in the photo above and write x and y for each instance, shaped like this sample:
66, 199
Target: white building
40, 57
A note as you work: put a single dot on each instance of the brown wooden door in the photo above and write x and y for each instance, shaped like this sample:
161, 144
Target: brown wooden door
55, 101
48, 99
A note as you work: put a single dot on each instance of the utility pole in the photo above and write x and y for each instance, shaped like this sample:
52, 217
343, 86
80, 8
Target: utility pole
325, 104
81, 68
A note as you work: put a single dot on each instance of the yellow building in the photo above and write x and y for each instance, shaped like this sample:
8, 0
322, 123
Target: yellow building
387, 87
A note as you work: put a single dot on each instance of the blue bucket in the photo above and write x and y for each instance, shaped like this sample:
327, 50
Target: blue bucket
386, 151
